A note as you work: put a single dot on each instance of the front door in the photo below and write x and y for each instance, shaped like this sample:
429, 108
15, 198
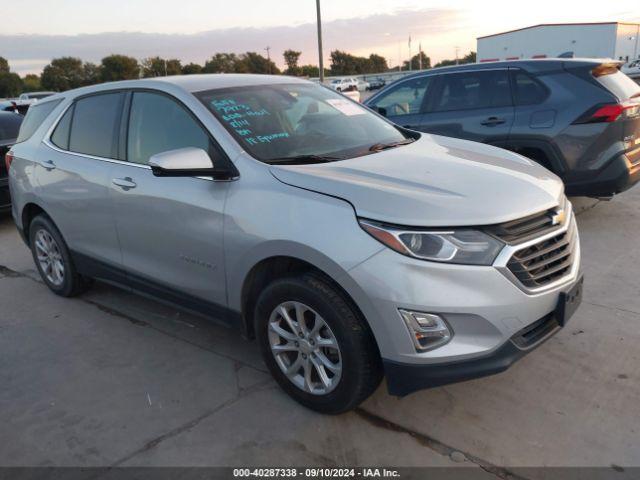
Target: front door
403, 103
170, 228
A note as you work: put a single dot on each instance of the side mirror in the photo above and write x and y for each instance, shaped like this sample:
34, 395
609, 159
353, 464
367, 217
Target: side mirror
183, 162
382, 111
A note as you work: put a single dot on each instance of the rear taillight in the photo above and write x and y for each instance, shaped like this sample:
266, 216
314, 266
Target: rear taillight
609, 113
8, 158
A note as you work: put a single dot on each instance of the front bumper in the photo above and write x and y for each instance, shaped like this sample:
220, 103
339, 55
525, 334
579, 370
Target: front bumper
486, 309
403, 378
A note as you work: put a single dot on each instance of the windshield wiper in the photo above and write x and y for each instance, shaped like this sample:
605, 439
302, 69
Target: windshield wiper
378, 147
304, 159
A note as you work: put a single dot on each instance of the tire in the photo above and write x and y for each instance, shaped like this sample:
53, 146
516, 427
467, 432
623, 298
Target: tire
356, 355
43, 236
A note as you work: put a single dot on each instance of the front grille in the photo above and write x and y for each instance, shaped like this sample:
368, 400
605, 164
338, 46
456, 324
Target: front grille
546, 261
526, 228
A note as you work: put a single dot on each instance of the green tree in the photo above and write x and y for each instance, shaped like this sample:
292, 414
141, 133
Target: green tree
468, 58
415, 62
252, 62
291, 58
159, 67
31, 83
90, 74
119, 67
4, 65
343, 63
221, 63
191, 68
10, 84
63, 74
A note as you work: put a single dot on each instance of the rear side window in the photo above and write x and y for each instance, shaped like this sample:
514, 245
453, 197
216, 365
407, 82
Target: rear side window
620, 85
36, 114
158, 124
94, 124
405, 98
471, 90
527, 90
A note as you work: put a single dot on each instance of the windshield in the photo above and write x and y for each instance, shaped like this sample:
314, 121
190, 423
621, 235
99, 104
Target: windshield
281, 122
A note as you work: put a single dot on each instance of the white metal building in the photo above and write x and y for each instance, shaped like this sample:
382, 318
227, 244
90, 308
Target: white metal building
591, 40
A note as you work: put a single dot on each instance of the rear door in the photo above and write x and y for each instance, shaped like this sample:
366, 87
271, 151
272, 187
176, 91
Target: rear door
73, 173
170, 228
474, 105
403, 103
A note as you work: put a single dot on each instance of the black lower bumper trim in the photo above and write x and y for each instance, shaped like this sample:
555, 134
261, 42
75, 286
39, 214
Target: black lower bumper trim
404, 378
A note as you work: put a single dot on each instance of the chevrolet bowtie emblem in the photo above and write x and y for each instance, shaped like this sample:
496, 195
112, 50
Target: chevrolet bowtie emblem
558, 217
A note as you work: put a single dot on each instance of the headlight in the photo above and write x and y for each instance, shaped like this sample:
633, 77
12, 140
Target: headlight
464, 245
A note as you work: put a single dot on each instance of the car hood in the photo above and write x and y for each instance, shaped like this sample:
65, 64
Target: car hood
435, 181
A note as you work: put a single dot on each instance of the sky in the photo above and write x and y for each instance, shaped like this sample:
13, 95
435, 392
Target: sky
193, 30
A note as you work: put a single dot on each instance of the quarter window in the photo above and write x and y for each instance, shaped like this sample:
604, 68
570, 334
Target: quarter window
471, 90
404, 99
158, 124
94, 125
528, 91
60, 137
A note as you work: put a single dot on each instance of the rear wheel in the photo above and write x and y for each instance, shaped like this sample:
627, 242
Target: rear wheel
315, 345
53, 260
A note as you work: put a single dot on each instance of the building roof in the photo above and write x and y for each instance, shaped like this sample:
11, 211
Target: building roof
557, 25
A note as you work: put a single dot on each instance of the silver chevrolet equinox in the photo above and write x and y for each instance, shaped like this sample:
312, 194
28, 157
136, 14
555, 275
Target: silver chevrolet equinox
349, 247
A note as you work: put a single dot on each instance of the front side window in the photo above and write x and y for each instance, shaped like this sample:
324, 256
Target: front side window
34, 118
283, 122
158, 124
405, 98
471, 90
94, 125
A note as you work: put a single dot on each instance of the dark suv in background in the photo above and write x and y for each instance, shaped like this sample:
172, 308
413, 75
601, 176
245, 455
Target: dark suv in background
578, 118
9, 127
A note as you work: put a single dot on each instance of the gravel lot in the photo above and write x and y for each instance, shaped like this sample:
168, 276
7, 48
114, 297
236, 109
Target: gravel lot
111, 379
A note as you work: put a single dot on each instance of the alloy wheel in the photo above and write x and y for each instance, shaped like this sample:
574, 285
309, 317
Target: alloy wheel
305, 348
49, 258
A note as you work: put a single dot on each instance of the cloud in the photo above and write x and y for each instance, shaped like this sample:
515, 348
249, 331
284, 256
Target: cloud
380, 33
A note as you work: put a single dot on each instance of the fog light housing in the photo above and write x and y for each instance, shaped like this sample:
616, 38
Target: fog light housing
427, 330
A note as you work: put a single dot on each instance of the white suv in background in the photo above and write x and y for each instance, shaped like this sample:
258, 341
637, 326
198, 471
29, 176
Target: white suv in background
344, 84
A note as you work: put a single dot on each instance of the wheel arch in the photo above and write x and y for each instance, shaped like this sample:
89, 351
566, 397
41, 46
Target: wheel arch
30, 211
279, 266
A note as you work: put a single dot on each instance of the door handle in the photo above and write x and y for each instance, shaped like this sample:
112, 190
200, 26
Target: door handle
491, 121
48, 165
125, 183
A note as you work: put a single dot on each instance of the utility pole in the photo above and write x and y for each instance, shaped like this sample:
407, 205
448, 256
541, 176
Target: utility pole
320, 60
457, 49
268, 49
420, 56
410, 59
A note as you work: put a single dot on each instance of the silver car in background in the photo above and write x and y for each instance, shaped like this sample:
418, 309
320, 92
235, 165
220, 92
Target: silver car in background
349, 247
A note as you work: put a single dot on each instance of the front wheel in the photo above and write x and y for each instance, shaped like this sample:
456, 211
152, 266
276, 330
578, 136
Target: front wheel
315, 344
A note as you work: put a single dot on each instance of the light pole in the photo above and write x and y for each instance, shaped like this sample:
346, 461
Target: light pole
320, 61
268, 49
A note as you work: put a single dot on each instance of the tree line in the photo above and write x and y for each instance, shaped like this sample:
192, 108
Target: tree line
65, 73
